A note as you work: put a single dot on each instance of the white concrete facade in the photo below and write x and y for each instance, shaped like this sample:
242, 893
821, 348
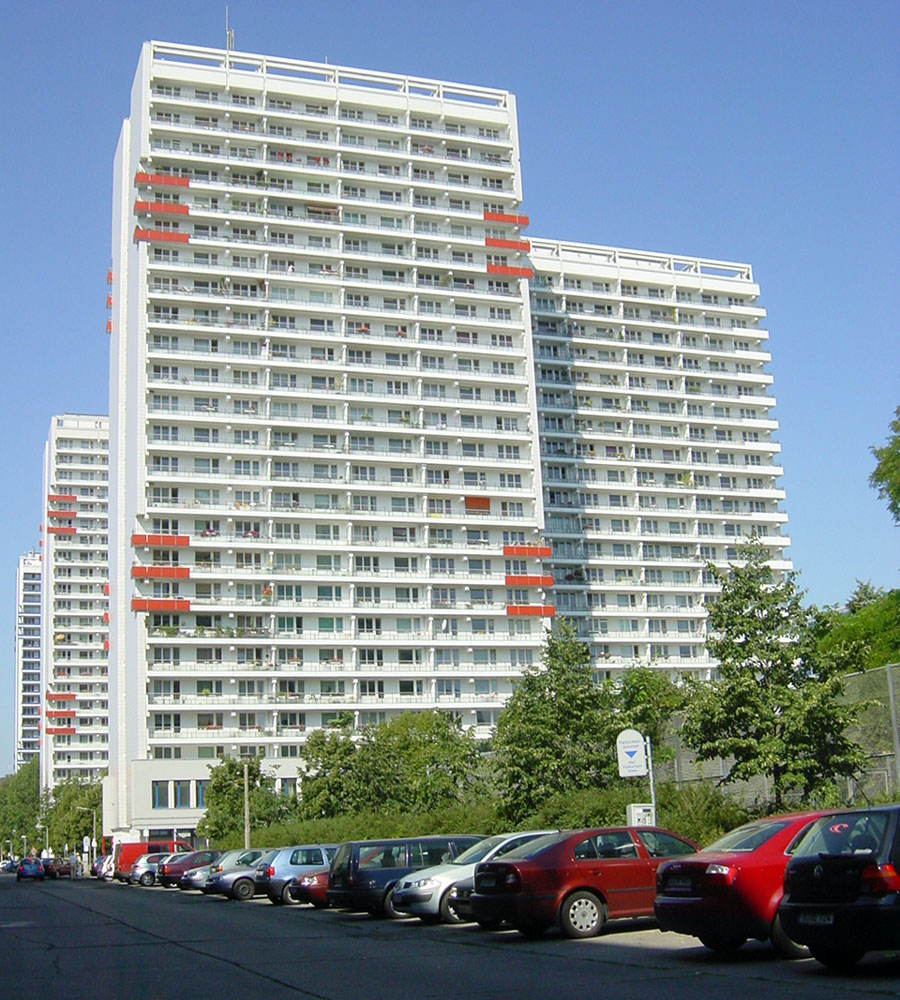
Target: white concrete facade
27, 658
326, 493
656, 442
75, 586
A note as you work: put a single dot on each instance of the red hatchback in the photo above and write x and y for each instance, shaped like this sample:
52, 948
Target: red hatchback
730, 891
576, 879
310, 888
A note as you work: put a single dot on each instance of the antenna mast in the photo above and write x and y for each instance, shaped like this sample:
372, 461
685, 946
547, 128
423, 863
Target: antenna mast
229, 33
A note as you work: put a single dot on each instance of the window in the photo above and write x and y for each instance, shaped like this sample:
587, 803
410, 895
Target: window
159, 794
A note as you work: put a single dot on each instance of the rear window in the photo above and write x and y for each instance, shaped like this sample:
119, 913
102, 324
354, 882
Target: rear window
306, 856
342, 857
428, 853
847, 834
748, 837
611, 844
385, 855
533, 847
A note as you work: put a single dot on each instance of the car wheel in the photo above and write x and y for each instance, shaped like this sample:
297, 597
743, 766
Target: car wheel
448, 910
286, 896
841, 958
723, 945
785, 946
242, 889
388, 909
146, 879
531, 930
582, 915
489, 925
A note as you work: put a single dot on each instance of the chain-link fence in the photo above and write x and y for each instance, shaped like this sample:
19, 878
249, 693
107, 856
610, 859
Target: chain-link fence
877, 730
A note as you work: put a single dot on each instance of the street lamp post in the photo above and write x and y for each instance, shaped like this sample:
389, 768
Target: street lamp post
93, 812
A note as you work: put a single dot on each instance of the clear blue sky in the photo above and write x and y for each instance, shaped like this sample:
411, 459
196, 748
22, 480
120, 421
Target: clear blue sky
762, 132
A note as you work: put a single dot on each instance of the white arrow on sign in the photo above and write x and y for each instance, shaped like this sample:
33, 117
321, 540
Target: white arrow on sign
632, 754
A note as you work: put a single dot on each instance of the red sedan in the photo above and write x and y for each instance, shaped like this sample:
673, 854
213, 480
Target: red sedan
730, 891
575, 879
310, 888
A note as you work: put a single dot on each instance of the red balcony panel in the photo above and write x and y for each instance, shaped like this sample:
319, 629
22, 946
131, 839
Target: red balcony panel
62, 513
543, 551
160, 572
515, 272
106, 645
529, 581
162, 541
159, 236
109, 277
106, 589
62, 497
109, 326
60, 696
512, 220
530, 610
159, 604
161, 208
492, 241
478, 503
60, 730
106, 618
165, 180
59, 529
60, 713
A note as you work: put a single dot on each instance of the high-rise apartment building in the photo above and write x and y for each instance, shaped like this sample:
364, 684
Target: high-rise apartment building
326, 491
656, 442
75, 600
366, 438
28, 658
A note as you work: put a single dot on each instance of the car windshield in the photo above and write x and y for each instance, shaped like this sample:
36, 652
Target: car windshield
478, 852
748, 837
533, 847
862, 833
267, 859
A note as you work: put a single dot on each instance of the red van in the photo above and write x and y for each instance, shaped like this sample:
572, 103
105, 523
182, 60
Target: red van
124, 855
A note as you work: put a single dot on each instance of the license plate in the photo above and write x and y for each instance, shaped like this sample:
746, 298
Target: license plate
679, 882
487, 881
815, 919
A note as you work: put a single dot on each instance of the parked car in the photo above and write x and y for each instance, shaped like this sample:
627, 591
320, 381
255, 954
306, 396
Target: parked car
426, 894
97, 865
460, 896
170, 871
310, 888
125, 854
842, 886
56, 867
30, 867
240, 883
730, 891
575, 879
364, 873
290, 862
196, 878
143, 871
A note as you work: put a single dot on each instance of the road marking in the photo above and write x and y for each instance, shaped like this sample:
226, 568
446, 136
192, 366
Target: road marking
18, 923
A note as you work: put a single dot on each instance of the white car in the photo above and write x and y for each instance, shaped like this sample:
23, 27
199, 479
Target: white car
426, 894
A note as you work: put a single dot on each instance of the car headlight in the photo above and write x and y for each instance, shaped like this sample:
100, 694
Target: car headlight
424, 883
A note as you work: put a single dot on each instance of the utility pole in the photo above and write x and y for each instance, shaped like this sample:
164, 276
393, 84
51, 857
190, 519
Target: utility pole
246, 807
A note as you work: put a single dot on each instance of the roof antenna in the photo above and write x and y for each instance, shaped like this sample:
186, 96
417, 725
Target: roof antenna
229, 33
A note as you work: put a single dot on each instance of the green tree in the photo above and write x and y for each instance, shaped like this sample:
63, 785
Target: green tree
864, 594
64, 817
885, 476
776, 707
553, 735
225, 798
647, 700
873, 624
327, 783
20, 806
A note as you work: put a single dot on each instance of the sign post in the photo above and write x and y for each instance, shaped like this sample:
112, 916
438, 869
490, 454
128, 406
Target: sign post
635, 759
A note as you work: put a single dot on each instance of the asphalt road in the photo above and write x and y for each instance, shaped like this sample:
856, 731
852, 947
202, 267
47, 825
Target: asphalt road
106, 941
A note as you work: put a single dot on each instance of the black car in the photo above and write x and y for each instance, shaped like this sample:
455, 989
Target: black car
364, 873
842, 886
